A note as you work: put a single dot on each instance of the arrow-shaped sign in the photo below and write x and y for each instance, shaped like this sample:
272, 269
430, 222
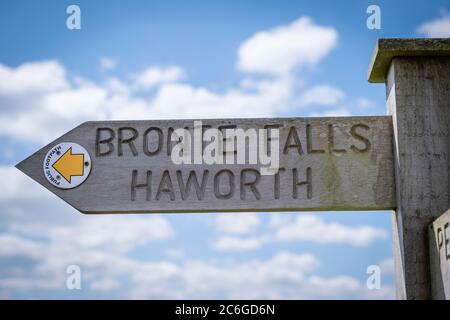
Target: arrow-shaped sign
69, 165
66, 165
134, 166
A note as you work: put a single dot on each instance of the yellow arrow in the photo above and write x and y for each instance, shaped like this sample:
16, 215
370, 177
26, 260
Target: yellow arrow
69, 165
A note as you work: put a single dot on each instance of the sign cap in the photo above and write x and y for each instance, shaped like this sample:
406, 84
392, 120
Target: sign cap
387, 49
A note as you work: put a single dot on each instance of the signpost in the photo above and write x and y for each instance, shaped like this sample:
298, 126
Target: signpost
399, 162
127, 166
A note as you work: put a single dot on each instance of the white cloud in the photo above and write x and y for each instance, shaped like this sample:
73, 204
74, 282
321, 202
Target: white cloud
334, 287
312, 228
154, 76
116, 86
13, 245
49, 113
118, 233
437, 28
41, 100
108, 63
32, 77
229, 243
323, 95
252, 278
237, 223
285, 275
98, 244
279, 50
19, 186
103, 245
277, 220
106, 284
84, 102
303, 228
191, 102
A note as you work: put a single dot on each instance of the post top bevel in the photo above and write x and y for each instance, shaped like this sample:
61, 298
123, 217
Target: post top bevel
387, 49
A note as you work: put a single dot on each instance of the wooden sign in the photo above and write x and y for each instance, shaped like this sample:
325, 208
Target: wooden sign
439, 236
295, 164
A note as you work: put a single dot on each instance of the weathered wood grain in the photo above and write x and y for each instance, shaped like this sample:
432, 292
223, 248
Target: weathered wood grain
348, 174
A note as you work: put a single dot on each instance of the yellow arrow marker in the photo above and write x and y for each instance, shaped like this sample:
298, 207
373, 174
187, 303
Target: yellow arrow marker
69, 165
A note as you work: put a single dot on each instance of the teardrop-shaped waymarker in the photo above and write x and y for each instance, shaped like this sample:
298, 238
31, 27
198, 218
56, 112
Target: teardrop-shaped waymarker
67, 165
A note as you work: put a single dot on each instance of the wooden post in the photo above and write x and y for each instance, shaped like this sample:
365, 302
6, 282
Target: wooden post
417, 77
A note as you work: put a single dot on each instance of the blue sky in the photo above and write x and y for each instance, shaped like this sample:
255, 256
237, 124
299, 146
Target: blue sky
188, 59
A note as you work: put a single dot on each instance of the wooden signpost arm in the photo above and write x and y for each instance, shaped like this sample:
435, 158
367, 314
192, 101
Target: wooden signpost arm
417, 77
